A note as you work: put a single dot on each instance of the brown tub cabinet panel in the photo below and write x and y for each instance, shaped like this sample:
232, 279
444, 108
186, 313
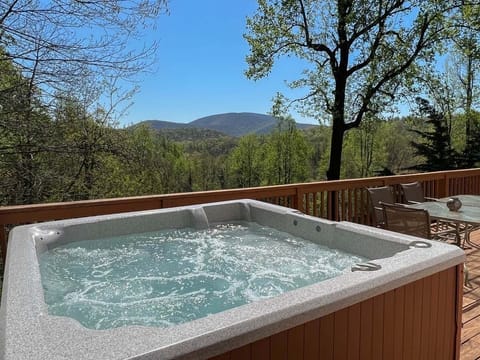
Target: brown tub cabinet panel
420, 320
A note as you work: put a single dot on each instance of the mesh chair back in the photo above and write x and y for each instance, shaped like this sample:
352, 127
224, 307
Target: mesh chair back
378, 195
413, 192
406, 220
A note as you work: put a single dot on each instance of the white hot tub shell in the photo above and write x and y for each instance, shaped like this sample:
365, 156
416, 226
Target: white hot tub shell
29, 332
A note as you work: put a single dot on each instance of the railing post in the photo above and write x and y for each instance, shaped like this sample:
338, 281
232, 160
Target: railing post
446, 185
298, 201
332, 205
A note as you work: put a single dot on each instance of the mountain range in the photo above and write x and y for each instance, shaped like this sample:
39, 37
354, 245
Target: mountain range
233, 124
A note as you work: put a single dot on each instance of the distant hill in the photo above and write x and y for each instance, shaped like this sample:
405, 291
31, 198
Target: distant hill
159, 124
182, 134
232, 124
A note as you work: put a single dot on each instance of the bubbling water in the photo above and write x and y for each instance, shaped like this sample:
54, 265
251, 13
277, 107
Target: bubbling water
170, 277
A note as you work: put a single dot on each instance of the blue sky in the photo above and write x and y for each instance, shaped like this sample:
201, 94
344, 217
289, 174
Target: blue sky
200, 66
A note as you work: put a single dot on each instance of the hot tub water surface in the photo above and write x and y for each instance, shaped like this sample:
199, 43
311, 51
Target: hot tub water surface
173, 276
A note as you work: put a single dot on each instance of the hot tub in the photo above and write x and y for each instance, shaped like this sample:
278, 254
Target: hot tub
403, 299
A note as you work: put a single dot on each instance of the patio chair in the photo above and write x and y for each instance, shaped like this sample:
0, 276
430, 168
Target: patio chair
378, 195
413, 193
405, 220
416, 222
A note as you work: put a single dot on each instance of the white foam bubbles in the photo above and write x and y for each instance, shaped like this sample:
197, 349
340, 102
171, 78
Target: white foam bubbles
170, 277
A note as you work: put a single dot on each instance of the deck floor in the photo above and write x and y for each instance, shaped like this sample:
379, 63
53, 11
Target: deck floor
470, 348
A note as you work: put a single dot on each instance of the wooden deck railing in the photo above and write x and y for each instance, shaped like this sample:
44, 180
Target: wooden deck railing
335, 200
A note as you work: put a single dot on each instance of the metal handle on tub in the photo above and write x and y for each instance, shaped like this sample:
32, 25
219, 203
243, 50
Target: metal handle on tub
366, 266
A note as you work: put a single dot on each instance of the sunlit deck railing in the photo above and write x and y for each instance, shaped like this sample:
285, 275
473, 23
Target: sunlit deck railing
335, 200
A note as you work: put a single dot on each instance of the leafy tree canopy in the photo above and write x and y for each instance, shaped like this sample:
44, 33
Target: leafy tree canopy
435, 145
362, 54
60, 42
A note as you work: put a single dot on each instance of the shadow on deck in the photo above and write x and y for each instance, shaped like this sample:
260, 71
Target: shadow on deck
470, 348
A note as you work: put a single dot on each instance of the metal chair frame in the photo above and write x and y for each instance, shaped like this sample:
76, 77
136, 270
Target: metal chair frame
376, 196
416, 222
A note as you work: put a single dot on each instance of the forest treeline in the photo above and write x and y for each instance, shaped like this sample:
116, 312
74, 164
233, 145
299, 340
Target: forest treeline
65, 150
64, 72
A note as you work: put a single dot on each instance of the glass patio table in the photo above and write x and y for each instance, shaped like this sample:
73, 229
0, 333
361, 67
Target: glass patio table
467, 200
466, 219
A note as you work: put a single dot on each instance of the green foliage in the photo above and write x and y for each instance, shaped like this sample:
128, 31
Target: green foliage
361, 56
25, 134
282, 157
88, 141
378, 147
395, 152
190, 136
287, 154
359, 149
72, 150
69, 152
58, 44
318, 140
470, 156
435, 144
246, 162
152, 164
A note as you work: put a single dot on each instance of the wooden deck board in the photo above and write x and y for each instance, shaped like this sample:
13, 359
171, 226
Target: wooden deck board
470, 348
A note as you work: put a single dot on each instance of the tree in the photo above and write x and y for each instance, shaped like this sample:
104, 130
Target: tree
434, 145
57, 45
52, 48
466, 57
470, 154
88, 138
25, 137
467, 48
58, 42
246, 162
318, 140
360, 145
287, 154
152, 163
395, 148
360, 53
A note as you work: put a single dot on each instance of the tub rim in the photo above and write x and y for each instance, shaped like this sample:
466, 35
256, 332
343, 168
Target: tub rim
206, 336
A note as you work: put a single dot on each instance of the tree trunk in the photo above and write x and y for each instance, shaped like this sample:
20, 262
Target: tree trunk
338, 120
340, 74
469, 99
333, 172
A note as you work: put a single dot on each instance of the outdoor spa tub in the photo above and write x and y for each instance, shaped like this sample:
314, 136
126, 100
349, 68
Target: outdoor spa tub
394, 295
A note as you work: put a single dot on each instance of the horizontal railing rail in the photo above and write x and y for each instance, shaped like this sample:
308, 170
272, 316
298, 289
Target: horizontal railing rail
334, 200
